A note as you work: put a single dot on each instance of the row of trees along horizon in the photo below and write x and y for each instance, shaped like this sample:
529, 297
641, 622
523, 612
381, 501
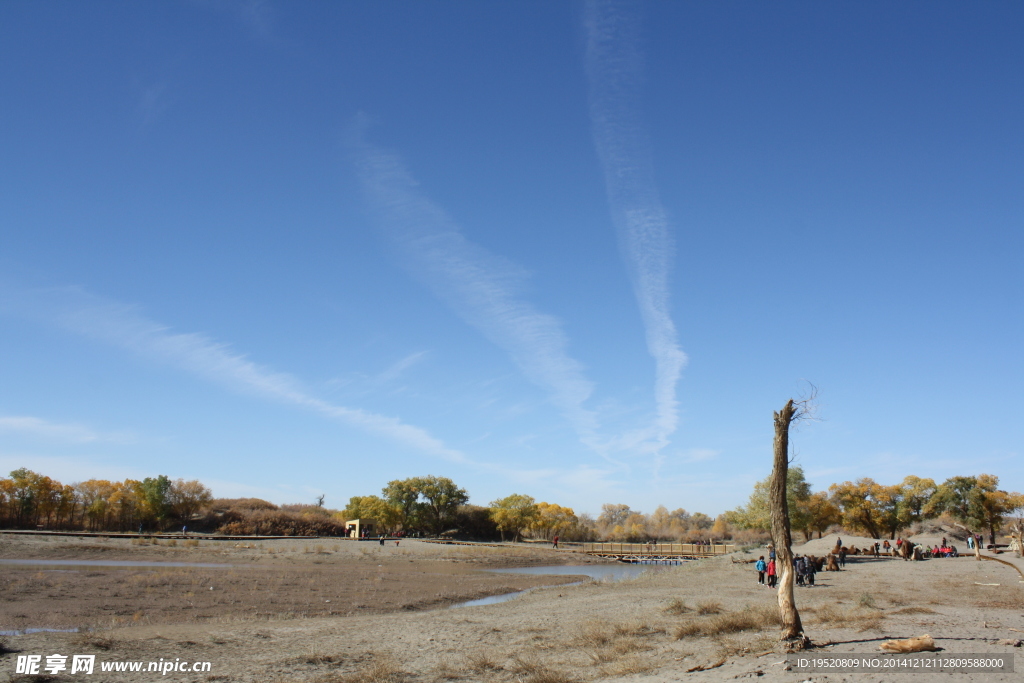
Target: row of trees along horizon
436, 506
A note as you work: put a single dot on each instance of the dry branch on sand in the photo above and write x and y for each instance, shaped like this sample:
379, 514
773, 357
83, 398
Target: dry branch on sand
923, 643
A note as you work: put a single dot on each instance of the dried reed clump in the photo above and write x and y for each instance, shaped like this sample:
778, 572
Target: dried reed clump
915, 610
709, 607
750, 618
446, 672
676, 606
635, 628
482, 662
532, 670
383, 669
593, 634
625, 667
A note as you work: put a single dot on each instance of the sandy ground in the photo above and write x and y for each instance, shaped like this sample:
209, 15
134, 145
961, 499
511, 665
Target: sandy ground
654, 629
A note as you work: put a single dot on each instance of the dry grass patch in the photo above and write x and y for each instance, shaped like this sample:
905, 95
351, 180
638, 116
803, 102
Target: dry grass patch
625, 667
709, 607
531, 670
445, 672
607, 643
750, 618
837, 617
915, 610
480, 663
384, 669
676, 606
593, 634
635, 628
1003, 597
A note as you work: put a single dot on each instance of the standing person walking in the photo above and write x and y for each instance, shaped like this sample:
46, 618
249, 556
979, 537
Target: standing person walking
554, 542
771, 573
761, 566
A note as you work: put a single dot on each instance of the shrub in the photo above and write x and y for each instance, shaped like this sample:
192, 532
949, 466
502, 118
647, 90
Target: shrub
278, 523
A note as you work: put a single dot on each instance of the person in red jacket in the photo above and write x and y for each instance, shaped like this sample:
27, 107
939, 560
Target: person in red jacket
771, 573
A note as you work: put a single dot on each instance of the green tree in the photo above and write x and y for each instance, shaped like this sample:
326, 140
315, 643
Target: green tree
155, 498
916, 492
756, 513
441, 498
23, 496
404, 496
386, 515
975, 502
514, 513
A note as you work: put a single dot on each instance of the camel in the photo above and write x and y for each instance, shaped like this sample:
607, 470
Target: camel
1017, 538
907, 550
832, 564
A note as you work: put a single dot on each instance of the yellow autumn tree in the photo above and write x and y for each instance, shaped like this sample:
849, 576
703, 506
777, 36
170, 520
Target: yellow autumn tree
553, 520
514, 513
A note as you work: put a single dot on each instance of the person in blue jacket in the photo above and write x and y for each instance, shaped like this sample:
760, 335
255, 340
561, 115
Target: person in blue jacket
761, 568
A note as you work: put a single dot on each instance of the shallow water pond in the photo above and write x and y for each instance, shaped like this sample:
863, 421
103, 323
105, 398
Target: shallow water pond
598, 572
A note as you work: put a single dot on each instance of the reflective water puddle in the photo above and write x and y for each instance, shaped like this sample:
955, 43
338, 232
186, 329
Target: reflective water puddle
598, 572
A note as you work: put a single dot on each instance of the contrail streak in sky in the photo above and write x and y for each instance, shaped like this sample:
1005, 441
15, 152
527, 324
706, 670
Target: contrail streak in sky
615, 69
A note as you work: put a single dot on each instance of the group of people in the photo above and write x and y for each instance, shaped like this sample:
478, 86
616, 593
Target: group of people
805, 570
947, 549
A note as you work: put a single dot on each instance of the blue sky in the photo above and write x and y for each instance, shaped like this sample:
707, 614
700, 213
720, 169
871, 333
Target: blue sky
576, 250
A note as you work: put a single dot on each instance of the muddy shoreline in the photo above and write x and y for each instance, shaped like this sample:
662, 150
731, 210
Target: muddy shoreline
249, 581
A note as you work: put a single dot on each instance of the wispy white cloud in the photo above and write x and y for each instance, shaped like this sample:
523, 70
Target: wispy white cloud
396, 369
481, 287
54, 431
124, 326
615, 68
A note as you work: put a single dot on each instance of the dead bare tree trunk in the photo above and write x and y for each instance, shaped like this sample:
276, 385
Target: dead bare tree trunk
792, 628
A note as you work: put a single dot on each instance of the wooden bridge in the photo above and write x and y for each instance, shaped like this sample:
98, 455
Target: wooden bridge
650, 552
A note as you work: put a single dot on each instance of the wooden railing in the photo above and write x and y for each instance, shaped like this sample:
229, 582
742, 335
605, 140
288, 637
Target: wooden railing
662, 549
